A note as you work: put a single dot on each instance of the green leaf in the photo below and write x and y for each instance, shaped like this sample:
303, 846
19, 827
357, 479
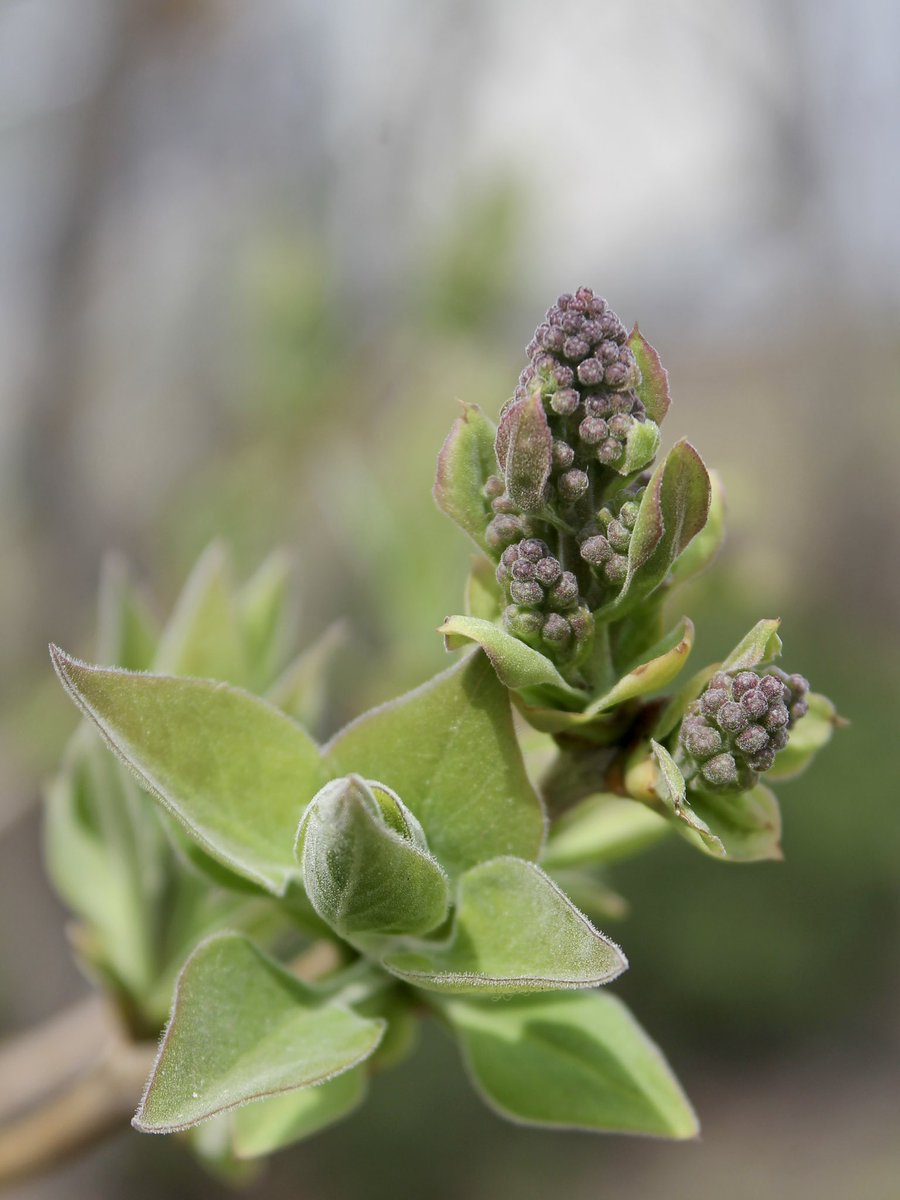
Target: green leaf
706, 544
126, 632
203, 637
366, 865
527, 458
514, 931
267, 1125
264, 619
242, 1028
748, 824
483, 596
760, 645
674, 508
464, 464
653, 390
662, 665
670, 788
601, 829
232, 769
578, 1060
677, 706
520, 667
449, 749
641, 445
301, 690
808, 736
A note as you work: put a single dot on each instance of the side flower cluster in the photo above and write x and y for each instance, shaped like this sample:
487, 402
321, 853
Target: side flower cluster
733, 732
545, 606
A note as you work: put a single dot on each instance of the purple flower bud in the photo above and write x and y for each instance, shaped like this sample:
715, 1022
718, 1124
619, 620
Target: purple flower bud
528, 592
503, 530
752, 740
763, 760
701, 740
494, 487
743, 682
628, 513
732, 718
575, 348
598, 405
593, 430
753, 703
572, 485
564, 402
609, 452
547, 571
564, 592
771, 687
720, 771
557, 630
590, 372
798, 709
621, 425
713, 699
533, 548
616, 568
619, 537
503, 504
596, 550
563, 454
581, 622
617, 375
523, 569
523, 624
777, 717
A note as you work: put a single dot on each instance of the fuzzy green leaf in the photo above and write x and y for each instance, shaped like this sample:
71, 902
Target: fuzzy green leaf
514, 931
424, 746
674, 509
268, 1125
574, 1061
706, 544
242, 1028
366, 865
235, 771
482, 595
662, 665
671, 790
653, 390
808, 736
641, 445
527, 460
760, 645
520, 667
203, 637
464, 464
748, 825
601, 829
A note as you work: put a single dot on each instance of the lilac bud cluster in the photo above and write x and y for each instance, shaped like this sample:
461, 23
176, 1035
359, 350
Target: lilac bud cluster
733, 732
604, 541
545, 608
586, 375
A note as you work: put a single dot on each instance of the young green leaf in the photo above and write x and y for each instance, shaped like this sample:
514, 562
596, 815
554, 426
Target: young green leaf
366, 866
203, 637
520, 667
670, 788
601, 829
264, 619
641, 445
748, 825
514, 931
242, 1028
663, 663
527, 458
760, 645
464, 464
232, 769
653, 390
424, 746
705, 545
267, 1125
301, 689
578, 1060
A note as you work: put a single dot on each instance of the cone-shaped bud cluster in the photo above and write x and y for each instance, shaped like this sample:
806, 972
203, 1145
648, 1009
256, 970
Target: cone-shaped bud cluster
545, 607
732, 733
584, 371
603, 542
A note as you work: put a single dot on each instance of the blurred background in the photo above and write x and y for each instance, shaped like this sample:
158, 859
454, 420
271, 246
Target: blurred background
251, 255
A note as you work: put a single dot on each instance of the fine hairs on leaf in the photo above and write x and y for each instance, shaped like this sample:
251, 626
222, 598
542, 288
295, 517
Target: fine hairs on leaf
443, 856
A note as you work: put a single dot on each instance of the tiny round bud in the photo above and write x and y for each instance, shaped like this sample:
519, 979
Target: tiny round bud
763, 760
777, 717
547, 571
596, 550
619, 537
616, 375
503, 530
503, 504
564, 376
509, 555
575, 348
743, 682
780, 738
590, 372
798, 709
556, 629
564, 592
753, 703
712, 700
581, 622
494, 487
628, 513
522, 569
598, 406
551, 337
721, 679
533, 548
522, 623
720, 771
563, 454
616, 568
572, 485
592, 331
608, 352
732, 718
593, 430
752, 740
620, 425
526, 591
609, 452
771, 687
564, 402
798, 684
701, 739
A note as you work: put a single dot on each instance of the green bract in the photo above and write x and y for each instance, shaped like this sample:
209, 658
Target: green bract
442, 855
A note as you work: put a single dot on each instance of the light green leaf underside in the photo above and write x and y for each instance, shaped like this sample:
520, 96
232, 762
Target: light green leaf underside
267, 1125
747, 825
464, 464
760, 645
514, 931
241, 1029
233, 769
577, 1060
602, 829
448, 749
808, 737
